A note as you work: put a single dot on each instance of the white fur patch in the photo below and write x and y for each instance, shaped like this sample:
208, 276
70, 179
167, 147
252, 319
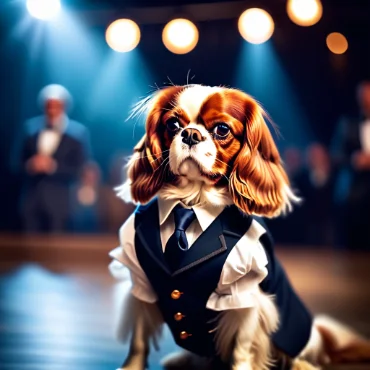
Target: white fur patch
203, 154
196, 192
193, 97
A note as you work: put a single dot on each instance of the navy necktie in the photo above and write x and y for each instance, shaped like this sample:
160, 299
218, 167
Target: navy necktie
177, 244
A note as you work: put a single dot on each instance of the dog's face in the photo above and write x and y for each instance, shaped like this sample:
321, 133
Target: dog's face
213, 135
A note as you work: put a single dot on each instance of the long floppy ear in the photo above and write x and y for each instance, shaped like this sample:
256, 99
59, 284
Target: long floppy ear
258, 182
144, 175
146, 169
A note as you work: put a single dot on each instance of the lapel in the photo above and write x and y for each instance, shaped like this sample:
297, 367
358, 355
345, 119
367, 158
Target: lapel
61, 144
220, 237
148, 232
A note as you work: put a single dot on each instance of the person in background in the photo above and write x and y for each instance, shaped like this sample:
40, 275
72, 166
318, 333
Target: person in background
293, 161
351, 155
315, 185
53, 149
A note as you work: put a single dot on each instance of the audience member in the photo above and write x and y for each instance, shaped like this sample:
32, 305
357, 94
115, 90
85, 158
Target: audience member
53, 150
315, 185
293, 161
351, 155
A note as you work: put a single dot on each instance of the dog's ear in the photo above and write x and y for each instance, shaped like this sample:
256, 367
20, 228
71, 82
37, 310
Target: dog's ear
146, 170
144, 177
258, 182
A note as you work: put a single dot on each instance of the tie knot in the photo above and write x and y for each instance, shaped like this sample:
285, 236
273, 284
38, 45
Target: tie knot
183, 217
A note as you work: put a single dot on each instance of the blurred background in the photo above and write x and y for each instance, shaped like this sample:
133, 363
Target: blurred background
70, 72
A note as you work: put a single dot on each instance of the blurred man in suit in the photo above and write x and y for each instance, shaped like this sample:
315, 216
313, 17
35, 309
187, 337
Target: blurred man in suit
351, 154
53, 150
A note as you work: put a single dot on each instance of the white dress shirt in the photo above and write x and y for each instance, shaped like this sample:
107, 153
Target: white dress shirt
244, 269
49, 139
365, 136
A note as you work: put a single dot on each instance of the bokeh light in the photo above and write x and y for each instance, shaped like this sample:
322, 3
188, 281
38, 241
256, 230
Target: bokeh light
123, 35
337, 43
304, 12
256, 25
180, 36
43, 9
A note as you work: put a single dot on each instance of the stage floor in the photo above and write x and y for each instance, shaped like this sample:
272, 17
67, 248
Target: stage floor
60, 314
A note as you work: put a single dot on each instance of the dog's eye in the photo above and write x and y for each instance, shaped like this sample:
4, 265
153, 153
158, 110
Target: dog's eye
172, 124
221, 131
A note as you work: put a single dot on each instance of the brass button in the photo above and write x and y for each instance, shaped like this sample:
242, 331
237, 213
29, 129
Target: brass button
178, 316
176, 294
184, 335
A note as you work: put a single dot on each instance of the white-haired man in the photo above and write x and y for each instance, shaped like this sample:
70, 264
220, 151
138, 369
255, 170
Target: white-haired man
53, 151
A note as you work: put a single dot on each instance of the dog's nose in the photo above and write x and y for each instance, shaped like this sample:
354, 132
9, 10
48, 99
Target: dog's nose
191, 136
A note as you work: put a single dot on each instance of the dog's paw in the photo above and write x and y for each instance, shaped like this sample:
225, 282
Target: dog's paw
242, 365
357, 352
184, 361
303, 365
134, 363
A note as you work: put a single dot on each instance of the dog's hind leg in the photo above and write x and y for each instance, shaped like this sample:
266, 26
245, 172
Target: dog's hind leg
342, 343
303, 365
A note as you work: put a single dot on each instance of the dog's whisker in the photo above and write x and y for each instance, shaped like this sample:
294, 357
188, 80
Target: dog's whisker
166, 160
147, 156
219, 160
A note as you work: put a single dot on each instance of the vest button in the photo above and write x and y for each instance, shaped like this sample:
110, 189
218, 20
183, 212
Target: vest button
184, 335
176, 294
178, 316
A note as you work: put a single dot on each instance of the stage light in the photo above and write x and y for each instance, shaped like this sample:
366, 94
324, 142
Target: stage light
123, 35
304, 12
180, 36
43, 9
256, 25
337, 43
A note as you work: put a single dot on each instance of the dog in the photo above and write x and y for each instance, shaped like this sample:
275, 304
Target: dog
208, 156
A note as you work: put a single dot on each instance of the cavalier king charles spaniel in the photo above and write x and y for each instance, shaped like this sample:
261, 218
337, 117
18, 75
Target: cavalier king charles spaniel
212, 146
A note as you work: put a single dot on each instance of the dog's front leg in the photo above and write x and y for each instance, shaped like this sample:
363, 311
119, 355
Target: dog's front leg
139, 347
234, 337
145, 322
243, 335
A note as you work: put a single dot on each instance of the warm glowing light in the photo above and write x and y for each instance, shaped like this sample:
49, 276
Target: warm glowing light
304, 12
337, 43
43, 9
180, 36
256, 25
123, 35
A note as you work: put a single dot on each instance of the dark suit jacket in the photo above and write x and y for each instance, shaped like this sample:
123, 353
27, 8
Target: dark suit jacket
351, 185
70, 155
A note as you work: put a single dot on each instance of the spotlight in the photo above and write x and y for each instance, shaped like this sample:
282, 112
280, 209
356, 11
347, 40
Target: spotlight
123, 35
43, 9
256, 25
337, 43
180, 36
304, 12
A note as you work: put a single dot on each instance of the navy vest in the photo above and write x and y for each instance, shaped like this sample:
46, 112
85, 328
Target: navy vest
183, 294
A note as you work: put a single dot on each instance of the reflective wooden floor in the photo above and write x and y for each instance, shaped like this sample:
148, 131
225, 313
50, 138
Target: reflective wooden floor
58, 310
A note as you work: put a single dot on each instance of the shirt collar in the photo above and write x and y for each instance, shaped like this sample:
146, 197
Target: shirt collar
205, 214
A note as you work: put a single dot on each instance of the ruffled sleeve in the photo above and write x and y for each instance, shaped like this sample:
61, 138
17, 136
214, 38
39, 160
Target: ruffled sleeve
124, 257
242, 273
